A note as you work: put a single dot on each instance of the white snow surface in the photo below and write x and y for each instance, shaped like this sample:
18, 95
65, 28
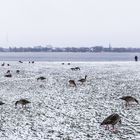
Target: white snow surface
59, 111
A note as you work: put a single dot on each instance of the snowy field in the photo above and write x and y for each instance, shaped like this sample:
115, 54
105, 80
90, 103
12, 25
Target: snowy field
61, 112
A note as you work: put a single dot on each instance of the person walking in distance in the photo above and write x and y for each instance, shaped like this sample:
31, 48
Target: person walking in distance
136, 58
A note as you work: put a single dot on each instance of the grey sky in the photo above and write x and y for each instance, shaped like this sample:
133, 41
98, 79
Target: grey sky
70, 22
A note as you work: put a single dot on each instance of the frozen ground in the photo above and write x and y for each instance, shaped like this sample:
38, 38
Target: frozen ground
60, 112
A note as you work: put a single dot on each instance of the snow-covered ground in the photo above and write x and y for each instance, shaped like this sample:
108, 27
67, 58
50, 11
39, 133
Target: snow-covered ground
61, 112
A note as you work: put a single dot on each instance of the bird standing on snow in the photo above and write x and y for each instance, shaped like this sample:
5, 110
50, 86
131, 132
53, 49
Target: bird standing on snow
8, 71
111, 120
20, 61
72, 82
77, 68
23, 102
129, 99
8, 75
3, 64
1, 103
83, 80
41, 78
17, 71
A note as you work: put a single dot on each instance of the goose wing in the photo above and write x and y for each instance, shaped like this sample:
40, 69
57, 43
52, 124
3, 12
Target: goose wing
112, 119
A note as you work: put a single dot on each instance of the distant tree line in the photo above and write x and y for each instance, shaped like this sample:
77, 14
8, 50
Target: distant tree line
67, 49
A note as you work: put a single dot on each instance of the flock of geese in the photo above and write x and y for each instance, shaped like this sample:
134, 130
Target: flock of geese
22, 102
83, 80
112, 120
115, 118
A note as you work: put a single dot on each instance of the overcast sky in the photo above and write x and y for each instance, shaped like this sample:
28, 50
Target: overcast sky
65, 23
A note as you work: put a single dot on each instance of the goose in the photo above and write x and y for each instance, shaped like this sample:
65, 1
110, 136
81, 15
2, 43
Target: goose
41, 78
77, 68
8, 71
83, 80
72, 68
129, 99
8, 75
111, 120
17, 71
23, 102
72, 82
3, 64
1, 103
20, 61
